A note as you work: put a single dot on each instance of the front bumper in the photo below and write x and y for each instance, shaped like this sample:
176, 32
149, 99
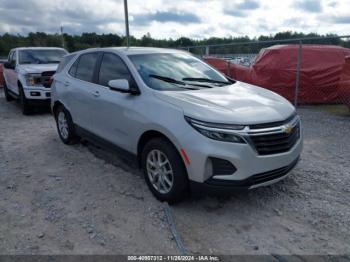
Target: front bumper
251, 168
39, 102
37, 93
262, 179
214, 186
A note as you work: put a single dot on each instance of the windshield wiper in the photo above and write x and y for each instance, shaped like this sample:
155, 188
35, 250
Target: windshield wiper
205, 80
52, 62
168, 79
172, 81
177, 82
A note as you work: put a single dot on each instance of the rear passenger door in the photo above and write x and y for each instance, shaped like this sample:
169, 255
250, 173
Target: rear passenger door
80, 89
113, 118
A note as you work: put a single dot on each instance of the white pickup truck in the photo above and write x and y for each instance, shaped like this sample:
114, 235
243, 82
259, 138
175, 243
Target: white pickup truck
28, 73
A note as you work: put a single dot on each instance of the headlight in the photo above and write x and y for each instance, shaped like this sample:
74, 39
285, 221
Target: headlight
220, 132
32, 79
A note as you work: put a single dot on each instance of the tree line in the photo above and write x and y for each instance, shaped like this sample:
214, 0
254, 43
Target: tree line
89, 40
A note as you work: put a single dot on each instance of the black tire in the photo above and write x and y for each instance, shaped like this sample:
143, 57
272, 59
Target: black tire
26, 109
70, 138
8, 97
179, 189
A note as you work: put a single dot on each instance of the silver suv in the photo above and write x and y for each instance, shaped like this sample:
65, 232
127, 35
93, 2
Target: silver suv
28, 73
186, 123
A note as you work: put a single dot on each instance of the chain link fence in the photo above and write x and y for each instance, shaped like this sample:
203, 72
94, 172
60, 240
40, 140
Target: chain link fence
313, 70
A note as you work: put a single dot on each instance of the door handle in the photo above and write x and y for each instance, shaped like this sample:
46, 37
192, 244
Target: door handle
96, 94
66, 83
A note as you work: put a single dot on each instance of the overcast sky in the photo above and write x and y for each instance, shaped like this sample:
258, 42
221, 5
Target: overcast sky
176, 18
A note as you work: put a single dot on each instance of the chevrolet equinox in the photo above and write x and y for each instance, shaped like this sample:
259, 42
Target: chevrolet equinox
185, 123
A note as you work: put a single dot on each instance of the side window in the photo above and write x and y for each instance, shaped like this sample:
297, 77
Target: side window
86, 66
65, 60
112, 68
73, 68
14, 57
10, 56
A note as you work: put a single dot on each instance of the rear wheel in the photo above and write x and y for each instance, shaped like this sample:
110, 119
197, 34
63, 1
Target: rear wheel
26, 109
8, 97
65, 126
164, 171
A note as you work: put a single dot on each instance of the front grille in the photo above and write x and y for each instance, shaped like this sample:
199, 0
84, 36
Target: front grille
46, 78
275, 143
272, 175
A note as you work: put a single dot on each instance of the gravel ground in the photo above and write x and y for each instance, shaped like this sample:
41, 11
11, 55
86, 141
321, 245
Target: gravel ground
307, 213
58, 199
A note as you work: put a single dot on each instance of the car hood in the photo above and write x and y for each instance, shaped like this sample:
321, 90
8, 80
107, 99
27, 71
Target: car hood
38, 68
239, 103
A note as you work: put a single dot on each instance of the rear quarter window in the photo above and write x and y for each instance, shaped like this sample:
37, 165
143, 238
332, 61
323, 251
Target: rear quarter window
65, 60
73, 68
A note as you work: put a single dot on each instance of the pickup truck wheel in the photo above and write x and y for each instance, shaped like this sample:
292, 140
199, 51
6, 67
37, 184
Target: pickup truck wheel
8, 97
65, 126
164, 171
26, 109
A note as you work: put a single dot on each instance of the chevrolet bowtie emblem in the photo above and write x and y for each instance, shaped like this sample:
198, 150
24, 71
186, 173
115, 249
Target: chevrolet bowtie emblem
288, 129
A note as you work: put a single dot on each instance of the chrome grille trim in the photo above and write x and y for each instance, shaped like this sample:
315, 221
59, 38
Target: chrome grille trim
275, 140
274, 130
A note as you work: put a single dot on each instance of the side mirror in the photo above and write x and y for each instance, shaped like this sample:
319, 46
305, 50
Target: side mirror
121, 85
9, 65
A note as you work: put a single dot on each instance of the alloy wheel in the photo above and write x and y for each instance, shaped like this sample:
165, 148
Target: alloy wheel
63, 125
159, 171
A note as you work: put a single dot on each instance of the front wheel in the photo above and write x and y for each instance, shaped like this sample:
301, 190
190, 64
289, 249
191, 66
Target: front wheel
164, 171
65, 126
26, 109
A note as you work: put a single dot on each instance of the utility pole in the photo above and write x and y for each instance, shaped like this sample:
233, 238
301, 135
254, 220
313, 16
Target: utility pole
126, 22
62, 37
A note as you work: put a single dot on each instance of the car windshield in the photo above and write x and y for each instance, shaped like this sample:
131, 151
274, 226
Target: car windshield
52, 56
176, 71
